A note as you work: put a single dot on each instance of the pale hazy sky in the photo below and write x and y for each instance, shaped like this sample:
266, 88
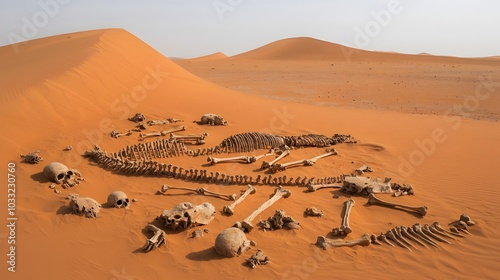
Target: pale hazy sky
190, 28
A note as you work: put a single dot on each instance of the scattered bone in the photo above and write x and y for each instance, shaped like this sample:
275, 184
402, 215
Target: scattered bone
278, 221
156, 240
212, 119
197, 139
138, 117
52, 186
229, 210
305, 162
118, 199
363, 169
324, 242
32, 158
143, 136
315, 187
246, 224
159, 122
283, 154
116, 134
345, 228
372, 199
61, 174
231, 242
202, 191
197, 233
185, 215
135, 200
257, 259
56, 190
68, 148
467, 220
86, 206
313, 212
355, 184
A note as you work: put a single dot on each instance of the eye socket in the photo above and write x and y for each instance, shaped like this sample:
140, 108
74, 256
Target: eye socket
69, 172
60, 176
186, 214
126, 199
177, 216
119, 202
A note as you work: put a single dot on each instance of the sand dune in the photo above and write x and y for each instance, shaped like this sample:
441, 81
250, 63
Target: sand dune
74, 89
217, 55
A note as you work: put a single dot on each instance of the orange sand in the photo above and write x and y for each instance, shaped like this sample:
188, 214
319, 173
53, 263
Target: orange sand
74, 89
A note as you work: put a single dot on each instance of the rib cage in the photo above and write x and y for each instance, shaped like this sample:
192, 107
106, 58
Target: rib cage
151, 150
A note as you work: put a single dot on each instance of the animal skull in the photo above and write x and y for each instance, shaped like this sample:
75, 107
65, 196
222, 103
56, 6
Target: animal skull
84, 205
355, 184
61, 174
118, 199
185, 215
212, 119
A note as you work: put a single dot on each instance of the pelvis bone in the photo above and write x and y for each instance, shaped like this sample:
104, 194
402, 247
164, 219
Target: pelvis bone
372, 199
202, 191
185, 215
61, 174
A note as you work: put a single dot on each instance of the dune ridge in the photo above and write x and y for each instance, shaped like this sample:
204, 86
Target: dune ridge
90, 91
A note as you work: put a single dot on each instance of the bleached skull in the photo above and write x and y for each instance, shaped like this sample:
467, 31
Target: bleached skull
231, 242
86, 206
185, 215
61, 174
118, 199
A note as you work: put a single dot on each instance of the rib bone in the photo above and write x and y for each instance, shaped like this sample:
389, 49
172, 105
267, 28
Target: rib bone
283, 154
198, 139
202, 191
372, 199
229, 210
246, 224
345, 228
324, 242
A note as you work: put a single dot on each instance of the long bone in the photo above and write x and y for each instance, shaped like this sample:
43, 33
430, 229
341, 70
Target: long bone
315, 187
283, 154
229, 210
243, 159
198, 139
305, 162
437, 227
143, 136
345, 228
372, 199
324, 242
202, 191
426, 229
156, 240
256, 158
246, 224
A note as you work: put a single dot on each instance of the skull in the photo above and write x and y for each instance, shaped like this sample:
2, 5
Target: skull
118, 199
231, 242
185, 215
61, 174
84, 205
213, 119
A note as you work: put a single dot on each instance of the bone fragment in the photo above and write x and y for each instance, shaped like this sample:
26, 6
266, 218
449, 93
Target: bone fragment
156, 240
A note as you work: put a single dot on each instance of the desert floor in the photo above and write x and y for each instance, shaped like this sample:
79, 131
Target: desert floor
428, 121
